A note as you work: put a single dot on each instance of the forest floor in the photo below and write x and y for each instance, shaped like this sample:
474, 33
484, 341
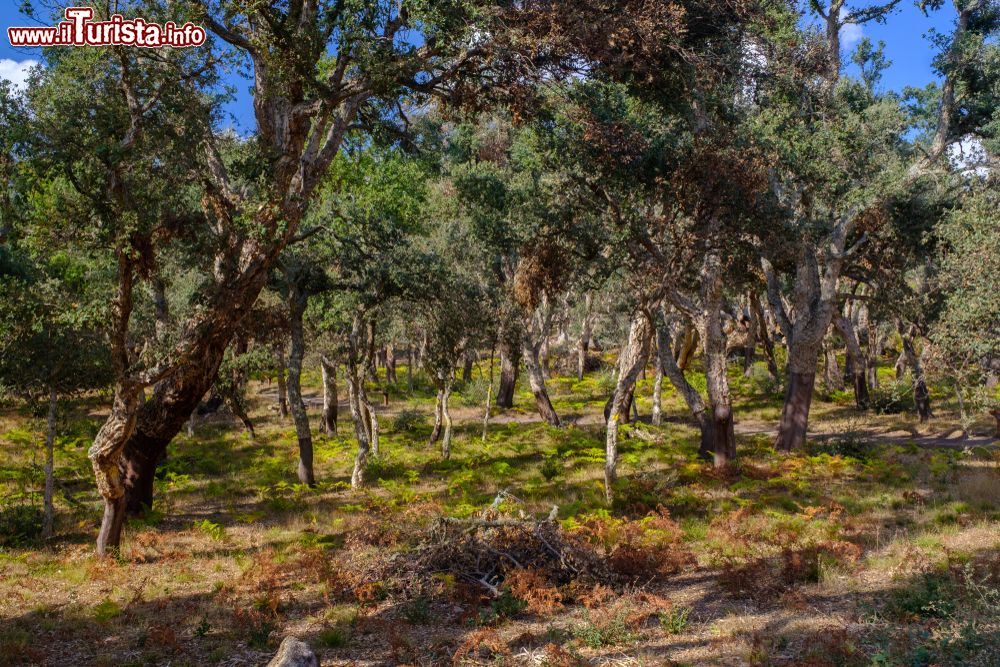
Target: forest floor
877, 545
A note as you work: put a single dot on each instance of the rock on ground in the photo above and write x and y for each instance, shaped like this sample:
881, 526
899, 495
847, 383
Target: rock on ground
294, 652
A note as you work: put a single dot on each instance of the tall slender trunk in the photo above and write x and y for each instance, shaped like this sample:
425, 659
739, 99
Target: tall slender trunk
583, 344
489, 395
446, 417
438, 412
282, 386
631, 361
750, 348
191, 423
50, 440
709, 326
297, 299
329, 368
530, 351
368, 409
767, 344
692, 398
657, 415
833, 379
856, 362
409, 368
360, 430
921, 396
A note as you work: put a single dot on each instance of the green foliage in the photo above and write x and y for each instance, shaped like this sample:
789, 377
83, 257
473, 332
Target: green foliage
213, 530
20, 523
674, 620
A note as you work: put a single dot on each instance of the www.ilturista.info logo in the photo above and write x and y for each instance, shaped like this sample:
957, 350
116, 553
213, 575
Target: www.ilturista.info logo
79, 30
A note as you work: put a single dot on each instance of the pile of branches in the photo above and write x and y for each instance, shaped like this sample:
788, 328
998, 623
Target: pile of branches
483, 549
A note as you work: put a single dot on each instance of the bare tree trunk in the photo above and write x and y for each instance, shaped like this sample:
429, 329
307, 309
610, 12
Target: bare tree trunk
631, 360
765, 337
105, 455
691, 397
709, 326
657, 416
833, 379
750, 349
921, 396
50, 440
468, 358
583, 344
191, 424
686, 346
390, 363
855, 362
282, 386
529, 349
371, 420
438, 412
360, 430
409, 368
508, 376
489, 394
296, 308
329, 368
446, 417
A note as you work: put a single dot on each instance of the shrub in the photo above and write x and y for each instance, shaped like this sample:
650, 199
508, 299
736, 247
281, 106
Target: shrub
20, 524
607, 627
551, 468
891, 398
674, 620
408, 421
332, 638
473, 392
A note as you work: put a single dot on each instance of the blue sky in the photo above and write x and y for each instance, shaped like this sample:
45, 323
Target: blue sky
904, 32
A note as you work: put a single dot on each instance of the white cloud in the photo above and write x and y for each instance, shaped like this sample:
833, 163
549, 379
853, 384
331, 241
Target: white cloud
16, 72
850, 33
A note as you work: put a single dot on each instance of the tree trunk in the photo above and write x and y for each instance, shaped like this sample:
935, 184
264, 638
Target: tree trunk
508, 376
329, 368
855, 362
833, 379
631, 361
795, 411
767, 345
489, 395
692, 398
409, 368
390, 363
686, 346
282, 387
530, 351
296, 308
446, 417
191, 424
360, 431
372, 421
468, 359
921, 396
106, 458
710, 330
583, 344
438, 412
50, 441
657, 416
750, 349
